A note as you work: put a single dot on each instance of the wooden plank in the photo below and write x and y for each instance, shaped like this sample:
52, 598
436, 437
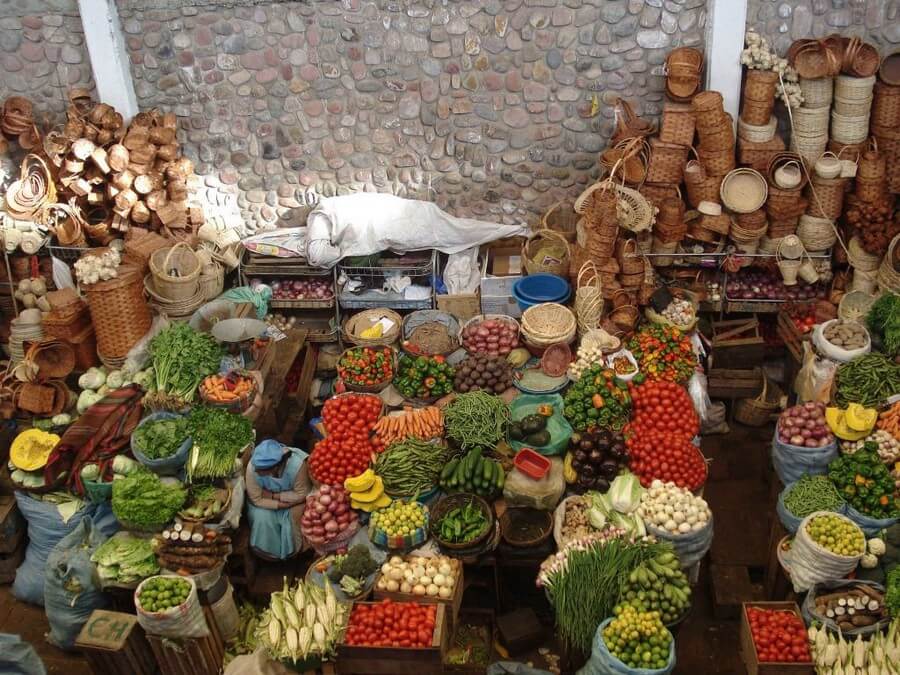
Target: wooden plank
105, 629
741, 538
730, 586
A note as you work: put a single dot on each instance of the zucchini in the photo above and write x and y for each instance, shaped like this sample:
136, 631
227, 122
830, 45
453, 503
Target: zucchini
487, 473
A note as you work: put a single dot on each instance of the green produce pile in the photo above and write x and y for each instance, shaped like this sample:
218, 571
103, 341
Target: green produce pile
423, 377
463, 523
599, 400
142, 501
837, 535
473, 473
410, 466
125, 559
531, 429
476, 419
204, 501
161, 593
813, 493
351, 570
884, 319
638, 639
246, 641
659, 585
161, 438
892, 592
218, 438
868, 380
181, 358
865, 483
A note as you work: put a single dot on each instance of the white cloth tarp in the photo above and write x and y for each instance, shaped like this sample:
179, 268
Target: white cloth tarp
367, 223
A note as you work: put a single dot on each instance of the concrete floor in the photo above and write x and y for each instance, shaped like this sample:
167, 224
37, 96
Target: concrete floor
737, 492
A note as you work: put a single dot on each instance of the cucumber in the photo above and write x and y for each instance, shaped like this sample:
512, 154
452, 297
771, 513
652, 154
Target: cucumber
459, 473
473, 459
500, 477
488, 471
448, 470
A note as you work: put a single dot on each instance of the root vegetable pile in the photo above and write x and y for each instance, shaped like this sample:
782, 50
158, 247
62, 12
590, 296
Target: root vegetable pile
673, 509
347, 450
804, 425
421, 423
480, 372
311, 288
846, 334
191, 550
494, 337
413, 575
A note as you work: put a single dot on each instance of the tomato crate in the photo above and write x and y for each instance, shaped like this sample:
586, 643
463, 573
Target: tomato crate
793, 339
748, 648
363, 660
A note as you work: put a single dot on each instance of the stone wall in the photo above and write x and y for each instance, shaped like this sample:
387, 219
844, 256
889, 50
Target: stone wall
42, 54
782, 22
491, 108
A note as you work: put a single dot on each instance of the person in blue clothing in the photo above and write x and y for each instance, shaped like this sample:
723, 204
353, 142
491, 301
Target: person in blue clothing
277, 485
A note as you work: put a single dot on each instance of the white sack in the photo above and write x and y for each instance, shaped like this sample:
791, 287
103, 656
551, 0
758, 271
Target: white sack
367, 223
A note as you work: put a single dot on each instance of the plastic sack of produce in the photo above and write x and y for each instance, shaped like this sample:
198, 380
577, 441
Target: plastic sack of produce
164, 466
690, 548
814, 493
792, 461
543, 494
185, 620
70, 592
557, 428
811, 613
810, 562
46, 528
514, 668
870, 526
18, 657
604, 663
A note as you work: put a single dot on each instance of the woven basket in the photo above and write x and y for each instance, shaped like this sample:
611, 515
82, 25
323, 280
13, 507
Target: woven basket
665, 248
826, 197
628, 123
212, 280
855, 305
889, 270
707, 101
861, 60
54, 358
758, 155
783, 204
760, 85
817, 234
744, 190
814, 58
871, 191
588, 303
627, 160
677, 126
359, 322
141, 244
548, 323
817, 93
810, 122
666, 162
176, 271
562, 219
716, 162
774, 172
780, 228
630, 262
861, 259
173, 309
720, 224
757, 130
550, 264
701, 187
872, 165
757, 412
742, 234
852, 108
119, 312
845, 129
718, 138
853, 88
683, 66
885, 106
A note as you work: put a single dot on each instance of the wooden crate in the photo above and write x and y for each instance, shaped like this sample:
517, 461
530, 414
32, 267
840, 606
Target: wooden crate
733, 382
475, 617
748, 648
462, 305
187, 656
114, 642
737, 343
454, 602
359, 660
793, 339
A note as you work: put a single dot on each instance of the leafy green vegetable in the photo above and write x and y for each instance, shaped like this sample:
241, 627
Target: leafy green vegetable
142, 501
182, 357
218, 438
892, 594
125, 558
358, 564
884, 319
161, 438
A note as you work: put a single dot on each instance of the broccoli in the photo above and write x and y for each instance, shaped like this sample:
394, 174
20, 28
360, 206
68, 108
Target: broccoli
358, 563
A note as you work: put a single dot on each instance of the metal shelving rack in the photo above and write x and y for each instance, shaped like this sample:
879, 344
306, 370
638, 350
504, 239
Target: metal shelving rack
373, 276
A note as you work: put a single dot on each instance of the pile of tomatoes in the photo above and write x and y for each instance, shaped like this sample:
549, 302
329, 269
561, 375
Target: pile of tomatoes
666, 456
663, 406
349, 446
391, 624
779, 635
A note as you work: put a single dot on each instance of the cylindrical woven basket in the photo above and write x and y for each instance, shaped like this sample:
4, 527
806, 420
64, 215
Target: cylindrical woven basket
855, 305
627, 160
119, 312
552, 264
701, 187
845, 129
588, 298
871, 191
760, 85
757, 130
630, 262
357, 323
817, 234
176, 271
778, 229
872, 165
889, 270
666, 162
853, 88
781, 161
852, 107
817, 93
708, 104
716, 162
885, 106
826, 197
861, 259
677, 126
810, 122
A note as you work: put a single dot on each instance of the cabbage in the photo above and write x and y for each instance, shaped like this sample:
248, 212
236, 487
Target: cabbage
115, 379
124, 465
90, 472
625, 493
125, 558
93, 378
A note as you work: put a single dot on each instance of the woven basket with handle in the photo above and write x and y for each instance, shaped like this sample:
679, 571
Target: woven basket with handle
558, 265
119, 312
561, 217
666, 162
176, 271
757, 412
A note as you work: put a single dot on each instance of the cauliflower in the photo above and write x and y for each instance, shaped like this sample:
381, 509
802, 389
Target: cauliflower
869, 561
876, 546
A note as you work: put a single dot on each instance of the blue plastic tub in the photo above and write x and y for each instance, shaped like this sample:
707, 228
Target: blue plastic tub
537, 288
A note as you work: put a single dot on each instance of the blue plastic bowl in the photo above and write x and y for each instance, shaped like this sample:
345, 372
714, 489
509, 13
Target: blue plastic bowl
537, 288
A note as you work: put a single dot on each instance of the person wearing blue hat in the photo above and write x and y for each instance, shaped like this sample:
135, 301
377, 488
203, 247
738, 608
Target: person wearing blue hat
277, 485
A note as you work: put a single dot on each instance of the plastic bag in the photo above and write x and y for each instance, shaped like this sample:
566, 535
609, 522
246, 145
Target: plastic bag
870, 526
604, 663
810, 564
813, 381
139, 355
808, 608
46, 529
231, 518
18, 657
165, 466
186, 620
712, 415
226, 614
521, 490
557, 425
514, 668
462, 274
792, 461
70, 592
258, 298
559, 519
691, 547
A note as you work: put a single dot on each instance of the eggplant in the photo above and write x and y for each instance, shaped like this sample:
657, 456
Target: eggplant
617, 449
581, 456
587, 470
586, 444
585, 481
596, 457
609, 469
602, 443
601, 485
576, 464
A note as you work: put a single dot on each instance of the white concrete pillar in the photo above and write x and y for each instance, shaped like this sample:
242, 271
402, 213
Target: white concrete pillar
109, 56
726, 23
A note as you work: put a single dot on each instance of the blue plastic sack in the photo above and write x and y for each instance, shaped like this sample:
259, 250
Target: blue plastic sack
870, 526
604, 663
70, 592
18, 657
792, 461
789, 520
45, 530
166, 466
690, 548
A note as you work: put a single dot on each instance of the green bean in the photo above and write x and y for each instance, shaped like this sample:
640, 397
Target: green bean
811, 494
867, 380
476, 419
410, 466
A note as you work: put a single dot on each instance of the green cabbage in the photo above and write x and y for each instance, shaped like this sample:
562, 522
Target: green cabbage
142, 501
125, 559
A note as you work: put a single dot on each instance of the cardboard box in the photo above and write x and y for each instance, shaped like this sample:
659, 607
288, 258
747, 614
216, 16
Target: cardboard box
501, 304
500, 269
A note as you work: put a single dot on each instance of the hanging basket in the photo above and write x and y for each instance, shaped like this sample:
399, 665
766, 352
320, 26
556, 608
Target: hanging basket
546, 251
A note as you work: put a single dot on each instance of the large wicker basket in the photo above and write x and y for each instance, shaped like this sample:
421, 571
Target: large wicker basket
119, 312
552, 264
357, 323
176, 271
756, 412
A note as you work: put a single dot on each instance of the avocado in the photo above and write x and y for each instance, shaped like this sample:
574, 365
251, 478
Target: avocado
538, 438
533, 423
515, 431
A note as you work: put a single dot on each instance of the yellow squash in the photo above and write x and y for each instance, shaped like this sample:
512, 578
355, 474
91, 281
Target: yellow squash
31, 449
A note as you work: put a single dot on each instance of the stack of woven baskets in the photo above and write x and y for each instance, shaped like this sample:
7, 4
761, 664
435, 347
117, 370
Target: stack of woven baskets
850, 112
174, 280
871, 176
757, 137
599, 225
786, 176
668, 231
884, 121
69, 319
716, 132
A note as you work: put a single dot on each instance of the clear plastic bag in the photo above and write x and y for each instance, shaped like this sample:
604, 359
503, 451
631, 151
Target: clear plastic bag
712, 415
813, 381
139, 356
544, 494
